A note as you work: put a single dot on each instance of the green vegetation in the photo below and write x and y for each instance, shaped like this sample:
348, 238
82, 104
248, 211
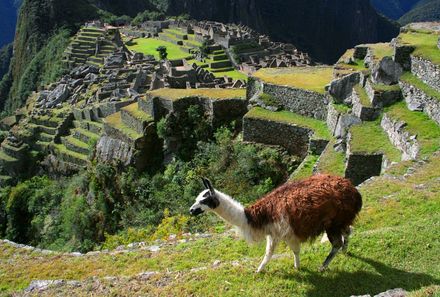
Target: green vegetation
419, 84
268, 100
147, 15
148, 46
115, 121
418, 123
394, 245
162, 50
215, 94
425, 44
319, 127
308, 78
385, 88
369, 137
363, 96
305, 169
44, 68
331, 161
381, 50
5, 59
82, 212
341, 107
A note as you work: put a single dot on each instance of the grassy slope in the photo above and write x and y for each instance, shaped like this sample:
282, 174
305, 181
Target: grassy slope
308, 78
394, 245
425, 44
176, 94
148, 46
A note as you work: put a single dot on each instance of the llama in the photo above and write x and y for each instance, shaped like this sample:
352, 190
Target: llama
294, 212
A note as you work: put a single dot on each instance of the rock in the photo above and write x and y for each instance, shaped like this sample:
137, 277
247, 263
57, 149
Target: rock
386, 72
154, 248
393, 293
216, 263
146, 275
58, 95
416, 106
115, 60
41, 285
342, 88
344, 123
83, 71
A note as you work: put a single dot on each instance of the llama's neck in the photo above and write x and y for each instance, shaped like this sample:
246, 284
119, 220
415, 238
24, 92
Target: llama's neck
231, 211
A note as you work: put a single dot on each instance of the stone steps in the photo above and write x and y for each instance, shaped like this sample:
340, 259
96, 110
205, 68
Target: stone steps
45, 137
84, 135
382, 95
93, 127
42, 146
93, 30
75, 145
15, 152
135, 118
420, 96
220, 64
45, 122
69, 156
117, 129
412, 132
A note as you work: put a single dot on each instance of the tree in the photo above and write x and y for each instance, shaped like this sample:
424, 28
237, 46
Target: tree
162, 52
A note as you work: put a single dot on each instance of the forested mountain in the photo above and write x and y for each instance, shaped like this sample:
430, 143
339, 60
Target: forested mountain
425, 10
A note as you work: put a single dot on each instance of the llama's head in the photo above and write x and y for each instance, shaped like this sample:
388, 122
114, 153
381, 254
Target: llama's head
206, 200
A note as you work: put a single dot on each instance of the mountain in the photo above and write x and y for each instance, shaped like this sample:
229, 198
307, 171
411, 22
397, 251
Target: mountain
323, 28
394, 9
8, 19
425, 10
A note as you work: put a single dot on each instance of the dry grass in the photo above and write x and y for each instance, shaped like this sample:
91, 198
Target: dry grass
216, 94
308, 78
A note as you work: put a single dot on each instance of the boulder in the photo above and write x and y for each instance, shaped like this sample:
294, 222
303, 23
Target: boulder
58, 95
115, 60
342, 88
386, 72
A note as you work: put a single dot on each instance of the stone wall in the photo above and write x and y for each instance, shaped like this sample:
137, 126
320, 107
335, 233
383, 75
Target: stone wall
303, 102
332, 118
220, 111
401, 138
361, 167
365, 113
254, 88
293, 138
402, 55
341, 89
426, 71
382, 98
416, 99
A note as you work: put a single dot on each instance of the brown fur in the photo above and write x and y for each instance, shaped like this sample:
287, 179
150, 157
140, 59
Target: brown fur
312, 206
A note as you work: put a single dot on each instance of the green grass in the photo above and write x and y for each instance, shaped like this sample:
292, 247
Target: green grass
419, 84
148, 46
216, 94
115, 121
381, 50
319, 127
63, 150
425, 44
331, 161
363, 96
340, 107
369, 137
395, 245
234, 74
418, 123
385, 88
308, 78
358, 65
7, 158
305, 169
77, 142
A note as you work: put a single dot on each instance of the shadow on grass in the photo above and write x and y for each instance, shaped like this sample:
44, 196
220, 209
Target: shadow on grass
346, 284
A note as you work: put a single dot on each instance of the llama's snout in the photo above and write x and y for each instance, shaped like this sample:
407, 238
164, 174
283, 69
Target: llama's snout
196, 211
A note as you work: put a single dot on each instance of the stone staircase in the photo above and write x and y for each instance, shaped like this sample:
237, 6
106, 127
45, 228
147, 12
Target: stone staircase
83, 48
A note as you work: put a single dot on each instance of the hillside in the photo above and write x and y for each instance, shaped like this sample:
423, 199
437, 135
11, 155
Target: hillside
393, 246
427, 10
334, 25
394, 9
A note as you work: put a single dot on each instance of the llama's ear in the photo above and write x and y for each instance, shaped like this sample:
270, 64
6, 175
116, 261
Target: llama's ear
208, 185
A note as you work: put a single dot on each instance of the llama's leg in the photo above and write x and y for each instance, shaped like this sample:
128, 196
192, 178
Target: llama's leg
336, 241
270, 248
295, 246
346, 236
